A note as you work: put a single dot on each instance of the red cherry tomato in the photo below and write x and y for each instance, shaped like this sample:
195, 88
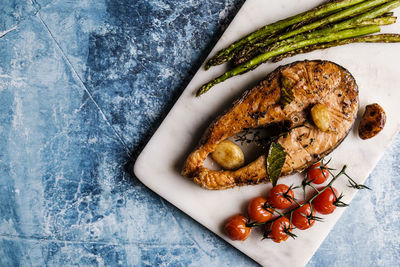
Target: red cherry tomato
277, 199
278, 229
316, 175
236, 228
324, 202
256, 210
299, 217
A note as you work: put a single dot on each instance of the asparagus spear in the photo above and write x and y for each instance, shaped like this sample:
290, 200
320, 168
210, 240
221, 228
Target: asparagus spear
304, 22
379, 38
250, 50
381, 21
388, 14
246, 55
253, 63
227, 53
361, 20
354, 10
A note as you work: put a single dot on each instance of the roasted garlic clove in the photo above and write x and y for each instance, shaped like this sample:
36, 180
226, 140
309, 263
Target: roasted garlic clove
372, 122
229, 155
321, 117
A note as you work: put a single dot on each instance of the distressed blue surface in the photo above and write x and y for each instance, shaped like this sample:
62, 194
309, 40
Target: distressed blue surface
83, 84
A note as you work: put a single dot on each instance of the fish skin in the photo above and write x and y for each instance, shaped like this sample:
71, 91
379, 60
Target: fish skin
314, 82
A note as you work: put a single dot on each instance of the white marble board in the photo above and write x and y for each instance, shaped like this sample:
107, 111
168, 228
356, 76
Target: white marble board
375, 67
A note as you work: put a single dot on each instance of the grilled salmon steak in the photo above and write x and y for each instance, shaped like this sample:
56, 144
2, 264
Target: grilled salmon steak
285, 96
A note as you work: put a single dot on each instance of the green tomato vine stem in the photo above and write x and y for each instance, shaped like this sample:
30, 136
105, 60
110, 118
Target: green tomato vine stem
319, 192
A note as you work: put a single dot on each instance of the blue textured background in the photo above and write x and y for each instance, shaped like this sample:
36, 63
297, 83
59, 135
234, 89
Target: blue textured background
83, 85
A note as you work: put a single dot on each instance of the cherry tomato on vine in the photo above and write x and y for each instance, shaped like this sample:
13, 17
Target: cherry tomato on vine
280, 196
316, 175
256, 210
278, 229
236, 228
299, 217
324, 202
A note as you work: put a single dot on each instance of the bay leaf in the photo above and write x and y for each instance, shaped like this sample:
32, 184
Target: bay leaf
275, 159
